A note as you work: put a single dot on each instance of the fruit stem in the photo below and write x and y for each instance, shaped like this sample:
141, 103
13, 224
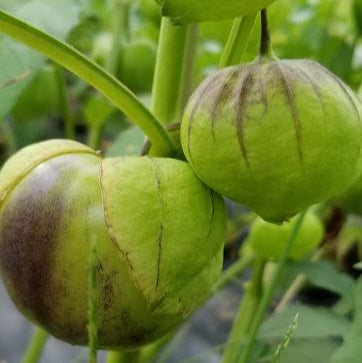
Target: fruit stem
269, 292
123, 357
251, 299
265, 42
174, 71
36, 346
237, 41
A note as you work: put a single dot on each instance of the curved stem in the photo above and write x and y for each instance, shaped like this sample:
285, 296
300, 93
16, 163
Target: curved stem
36, 346
269, 293
173, 66
238, 40
248, 307
80, 65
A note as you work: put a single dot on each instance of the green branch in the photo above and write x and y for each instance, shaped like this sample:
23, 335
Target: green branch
269, 293
36, 346
243, 320
237, 41
173, 71
90, 72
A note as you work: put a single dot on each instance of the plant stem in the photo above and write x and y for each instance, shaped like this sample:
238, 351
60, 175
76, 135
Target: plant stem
36, 346
174, 68
94, 136
65, 104
93, 297
96, 76
123, 357
229, 274
269, 293
238, 40
248, 307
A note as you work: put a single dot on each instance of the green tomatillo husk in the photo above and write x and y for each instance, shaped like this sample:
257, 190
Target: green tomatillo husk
159, 234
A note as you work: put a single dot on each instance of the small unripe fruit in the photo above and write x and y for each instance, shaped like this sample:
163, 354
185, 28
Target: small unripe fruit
137, 65
102, 47
275, 135
41, 98
159, 234
269, 240
150, 9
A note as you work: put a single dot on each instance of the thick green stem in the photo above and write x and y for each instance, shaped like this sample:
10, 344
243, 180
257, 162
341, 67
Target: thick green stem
83, 67
64, 104
36, 346
123, 357
237, 41
244, 317
269, 293
187, 81
174, 68
94, 136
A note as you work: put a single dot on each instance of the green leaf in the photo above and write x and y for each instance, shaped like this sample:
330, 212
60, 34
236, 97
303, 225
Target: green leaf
19, 64
312, 323
310, 351
351, 350
191, 11
324, 274
129, 143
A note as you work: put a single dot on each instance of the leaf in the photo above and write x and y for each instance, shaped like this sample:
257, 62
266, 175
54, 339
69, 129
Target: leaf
129, 142
56, 18
310, 351
286, 339
191, 11
324, 274
351, 350
312, 323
